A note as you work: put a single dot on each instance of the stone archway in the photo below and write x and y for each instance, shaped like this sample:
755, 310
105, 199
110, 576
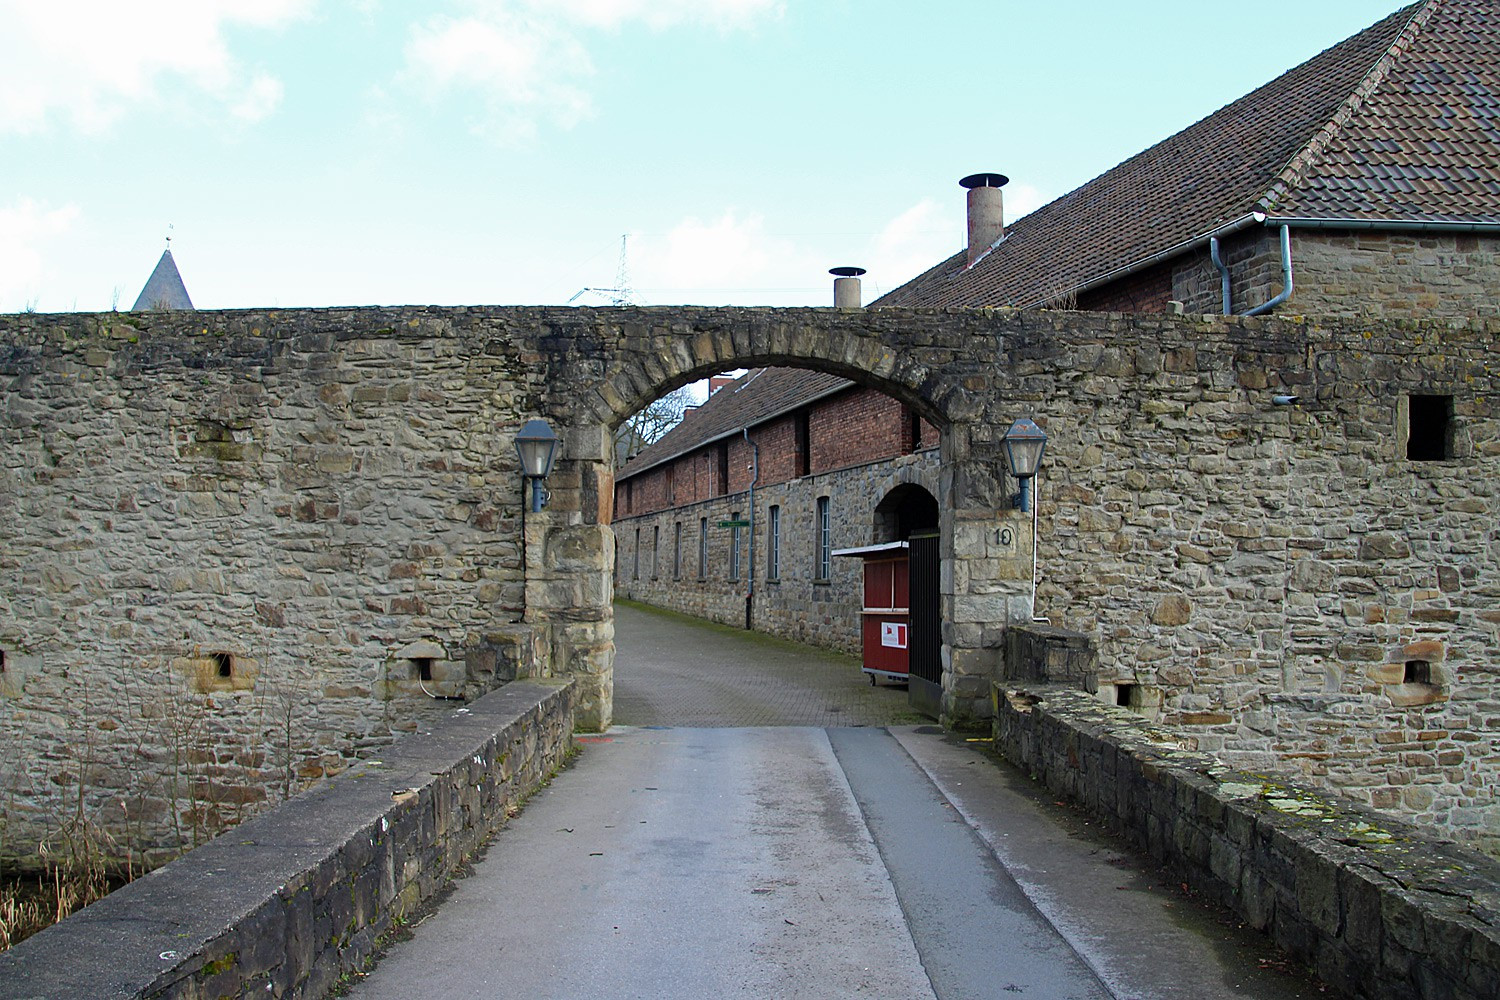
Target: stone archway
635, 355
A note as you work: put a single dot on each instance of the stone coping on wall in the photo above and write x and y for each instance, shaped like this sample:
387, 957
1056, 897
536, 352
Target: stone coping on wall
1378, 908
286, 903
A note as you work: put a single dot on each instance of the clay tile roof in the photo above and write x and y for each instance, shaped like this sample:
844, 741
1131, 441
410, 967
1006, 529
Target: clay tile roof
755, 397
1424, 142
1400, 122
164, 289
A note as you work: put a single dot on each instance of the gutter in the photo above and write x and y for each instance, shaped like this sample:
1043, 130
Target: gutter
1228, 228
1399, 225
750, 576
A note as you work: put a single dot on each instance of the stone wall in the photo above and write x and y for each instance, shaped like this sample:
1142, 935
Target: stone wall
795, 605
1267, 573
1406, 276
240, 553
292, 900
331, 497
1377, 908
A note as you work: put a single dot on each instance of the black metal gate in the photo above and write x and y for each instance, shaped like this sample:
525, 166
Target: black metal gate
925, 643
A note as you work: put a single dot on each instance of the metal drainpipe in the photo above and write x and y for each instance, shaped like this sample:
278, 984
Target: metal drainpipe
1213, 254
1286, 276
750, 576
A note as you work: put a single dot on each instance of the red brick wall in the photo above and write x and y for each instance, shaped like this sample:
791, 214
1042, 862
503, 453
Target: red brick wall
855, 427
777, 441
852, 428
1148, 291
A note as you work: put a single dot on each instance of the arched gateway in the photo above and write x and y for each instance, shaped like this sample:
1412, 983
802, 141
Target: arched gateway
941, 370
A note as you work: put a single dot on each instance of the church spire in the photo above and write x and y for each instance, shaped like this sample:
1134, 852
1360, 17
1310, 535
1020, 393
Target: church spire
164, 289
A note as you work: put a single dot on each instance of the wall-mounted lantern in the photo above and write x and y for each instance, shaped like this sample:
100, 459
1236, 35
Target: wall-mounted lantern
536, 444
1024, 444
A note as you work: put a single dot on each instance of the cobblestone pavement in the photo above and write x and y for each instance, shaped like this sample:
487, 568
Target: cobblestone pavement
672, 670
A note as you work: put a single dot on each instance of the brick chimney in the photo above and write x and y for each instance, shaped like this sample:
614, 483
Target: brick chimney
717, 382
986, 212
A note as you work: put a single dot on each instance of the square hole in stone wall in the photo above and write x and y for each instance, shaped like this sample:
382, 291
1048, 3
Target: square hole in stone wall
1429, 429
1125, 695
421, 668
1417, 672
223, 664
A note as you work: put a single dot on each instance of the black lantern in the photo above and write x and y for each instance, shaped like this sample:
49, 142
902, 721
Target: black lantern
1024, 444
536, 444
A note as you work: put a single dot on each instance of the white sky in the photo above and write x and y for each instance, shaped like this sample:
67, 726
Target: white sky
355, 152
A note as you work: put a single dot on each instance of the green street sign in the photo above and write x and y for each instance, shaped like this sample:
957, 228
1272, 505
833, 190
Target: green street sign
734, 524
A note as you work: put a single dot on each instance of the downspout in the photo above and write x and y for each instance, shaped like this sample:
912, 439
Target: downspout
1286, 276
1213, 254
750, 576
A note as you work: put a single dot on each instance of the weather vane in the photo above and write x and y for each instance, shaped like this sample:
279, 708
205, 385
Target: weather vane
169, 236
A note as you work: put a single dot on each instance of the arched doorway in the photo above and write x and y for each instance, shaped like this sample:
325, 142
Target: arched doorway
906, 510
636, 355
910, 514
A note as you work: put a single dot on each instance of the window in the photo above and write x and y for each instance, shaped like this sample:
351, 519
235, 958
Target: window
723, 483
629, 495
773, 543
703, 548
802, 445
655, 550
734, 547
636, 571
671, 484
824, 531
677, 551
1429, 428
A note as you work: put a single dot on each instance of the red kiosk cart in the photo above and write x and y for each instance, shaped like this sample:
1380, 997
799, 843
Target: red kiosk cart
887, 609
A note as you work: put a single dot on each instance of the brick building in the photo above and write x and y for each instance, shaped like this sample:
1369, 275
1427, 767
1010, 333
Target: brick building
813, 463
1364, 182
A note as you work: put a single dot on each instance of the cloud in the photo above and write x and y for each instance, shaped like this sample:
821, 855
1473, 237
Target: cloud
25, 229
91, 63
913, 241
522, 68
259, 100
732, 259
528, 61
662, 14
1023, 199
729, 260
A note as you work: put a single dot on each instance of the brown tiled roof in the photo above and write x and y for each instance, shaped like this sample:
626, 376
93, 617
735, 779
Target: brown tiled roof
1398, 123
753, 398
1424, 143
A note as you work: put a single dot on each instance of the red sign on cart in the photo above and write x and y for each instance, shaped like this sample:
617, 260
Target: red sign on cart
893, 634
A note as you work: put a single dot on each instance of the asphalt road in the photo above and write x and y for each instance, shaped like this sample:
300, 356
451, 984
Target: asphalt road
806, 861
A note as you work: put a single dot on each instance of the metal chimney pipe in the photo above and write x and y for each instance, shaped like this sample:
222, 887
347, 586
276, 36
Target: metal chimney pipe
986, 212
846, 287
